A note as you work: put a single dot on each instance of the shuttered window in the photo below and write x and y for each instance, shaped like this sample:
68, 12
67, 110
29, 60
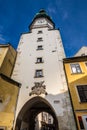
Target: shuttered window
82, 91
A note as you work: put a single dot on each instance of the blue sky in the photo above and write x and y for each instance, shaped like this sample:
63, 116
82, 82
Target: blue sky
68, 15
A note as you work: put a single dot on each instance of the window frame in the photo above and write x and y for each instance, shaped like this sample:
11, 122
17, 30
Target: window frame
40, 32
81, 122
40, 39
77, 67
39, 60
82, 93
40, 47
38, 73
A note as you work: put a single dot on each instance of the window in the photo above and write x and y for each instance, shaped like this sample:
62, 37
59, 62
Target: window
81, 123
40, 32
39, 73
40, 47
75, 68
83, 54
82, 91
39, 60
39, 39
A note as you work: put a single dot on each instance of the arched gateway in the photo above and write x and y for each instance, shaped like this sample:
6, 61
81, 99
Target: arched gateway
39, 69
26, 116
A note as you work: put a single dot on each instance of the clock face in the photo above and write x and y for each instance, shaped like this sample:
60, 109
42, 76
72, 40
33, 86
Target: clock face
41, 21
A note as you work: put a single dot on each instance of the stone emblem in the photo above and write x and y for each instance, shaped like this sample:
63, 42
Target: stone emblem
38, 89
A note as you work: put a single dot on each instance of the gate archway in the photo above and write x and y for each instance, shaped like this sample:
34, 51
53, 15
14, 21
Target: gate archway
26, 117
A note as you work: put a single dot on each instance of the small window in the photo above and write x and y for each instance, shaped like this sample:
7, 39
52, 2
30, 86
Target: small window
40, 47
75, 68
39, 32
39, 39
39, 60
83, 54
82, 91
38, 73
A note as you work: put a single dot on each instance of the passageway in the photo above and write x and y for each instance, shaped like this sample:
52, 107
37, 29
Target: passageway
29, 112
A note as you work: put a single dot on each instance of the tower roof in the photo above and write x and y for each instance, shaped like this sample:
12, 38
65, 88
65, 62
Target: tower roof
42, 14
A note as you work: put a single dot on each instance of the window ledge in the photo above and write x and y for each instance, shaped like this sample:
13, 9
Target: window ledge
39, 40
39, 49
38, 76
77, 73
39, 62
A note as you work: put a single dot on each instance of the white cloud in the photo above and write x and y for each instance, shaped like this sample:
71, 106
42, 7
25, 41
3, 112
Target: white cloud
2, 38
51, 10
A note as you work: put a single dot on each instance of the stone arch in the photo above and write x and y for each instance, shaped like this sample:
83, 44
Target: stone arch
31, 109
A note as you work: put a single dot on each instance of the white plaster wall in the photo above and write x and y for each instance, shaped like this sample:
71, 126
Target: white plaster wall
54, 77
24, 71
81, 52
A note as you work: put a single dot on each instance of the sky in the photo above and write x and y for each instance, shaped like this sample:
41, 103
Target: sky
70, 16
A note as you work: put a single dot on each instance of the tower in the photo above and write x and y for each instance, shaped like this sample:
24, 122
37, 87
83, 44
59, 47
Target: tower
39, 69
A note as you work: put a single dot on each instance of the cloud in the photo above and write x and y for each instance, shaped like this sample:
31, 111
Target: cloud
51, 10
2, 39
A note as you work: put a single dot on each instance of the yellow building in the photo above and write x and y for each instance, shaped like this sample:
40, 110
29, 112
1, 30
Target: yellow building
76, 75
7, 59
9, 88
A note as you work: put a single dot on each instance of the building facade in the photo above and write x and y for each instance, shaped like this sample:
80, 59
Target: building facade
9, 88
39, 68
7, 59
76, 74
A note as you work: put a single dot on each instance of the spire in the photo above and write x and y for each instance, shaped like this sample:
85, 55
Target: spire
42, 14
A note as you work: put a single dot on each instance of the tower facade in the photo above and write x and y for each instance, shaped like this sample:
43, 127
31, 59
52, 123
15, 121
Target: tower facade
39, 69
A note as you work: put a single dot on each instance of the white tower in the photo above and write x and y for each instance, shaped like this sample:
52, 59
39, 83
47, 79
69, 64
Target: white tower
39, 69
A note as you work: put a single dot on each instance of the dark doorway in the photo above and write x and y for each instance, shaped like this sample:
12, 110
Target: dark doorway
26, 119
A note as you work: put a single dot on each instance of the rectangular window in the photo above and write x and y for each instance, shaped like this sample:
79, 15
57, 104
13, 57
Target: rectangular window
82, 91
75, 68
81, 123
39, 73
40, 47
39, 39
39, 32
39, 60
